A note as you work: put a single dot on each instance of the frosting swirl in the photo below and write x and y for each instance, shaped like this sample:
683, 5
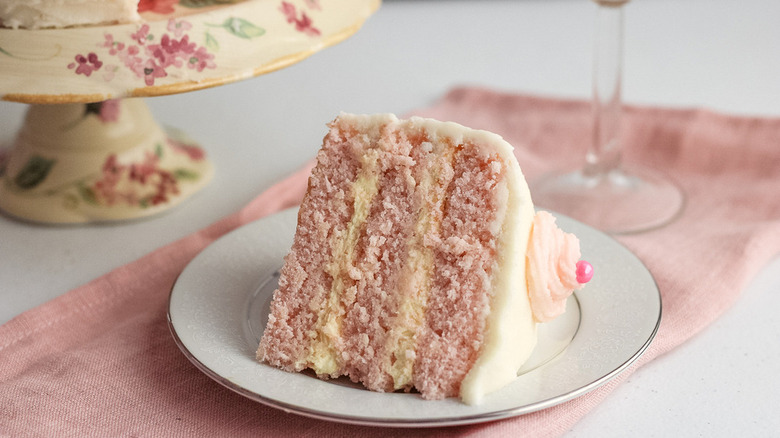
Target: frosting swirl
552, 267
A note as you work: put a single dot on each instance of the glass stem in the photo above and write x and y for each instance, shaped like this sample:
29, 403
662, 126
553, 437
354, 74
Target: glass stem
604, 153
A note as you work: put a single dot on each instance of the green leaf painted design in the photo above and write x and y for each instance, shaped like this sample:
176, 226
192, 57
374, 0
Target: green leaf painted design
34, 172
204, 3
242, 28
57, 50
211, 42
158, 150
88, 195
70, 201
185, 174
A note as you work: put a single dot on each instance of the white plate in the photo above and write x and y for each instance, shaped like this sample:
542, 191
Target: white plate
219, 305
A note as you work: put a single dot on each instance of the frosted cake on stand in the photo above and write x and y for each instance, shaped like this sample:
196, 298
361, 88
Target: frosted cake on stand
87, 71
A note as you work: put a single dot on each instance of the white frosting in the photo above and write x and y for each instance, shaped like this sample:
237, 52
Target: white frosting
510, 336
37, 14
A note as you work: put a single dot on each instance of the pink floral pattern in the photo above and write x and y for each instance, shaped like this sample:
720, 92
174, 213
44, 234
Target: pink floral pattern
148, 57
142, 184
85, 65
178, 27
193, 152
140, 35
157, 6
302, 23
314, 4
151, 56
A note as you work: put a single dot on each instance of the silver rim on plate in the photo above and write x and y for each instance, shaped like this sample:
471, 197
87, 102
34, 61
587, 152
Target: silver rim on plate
218, 304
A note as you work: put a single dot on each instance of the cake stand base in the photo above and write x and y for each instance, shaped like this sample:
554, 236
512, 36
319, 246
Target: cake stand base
97, 162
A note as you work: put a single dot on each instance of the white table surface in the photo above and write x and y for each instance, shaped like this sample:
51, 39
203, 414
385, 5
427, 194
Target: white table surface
723, 55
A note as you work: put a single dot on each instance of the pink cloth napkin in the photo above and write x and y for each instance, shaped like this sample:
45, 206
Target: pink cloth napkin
99, 360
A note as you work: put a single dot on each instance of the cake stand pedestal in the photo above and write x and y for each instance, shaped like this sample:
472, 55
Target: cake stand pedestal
105, 161
89, 149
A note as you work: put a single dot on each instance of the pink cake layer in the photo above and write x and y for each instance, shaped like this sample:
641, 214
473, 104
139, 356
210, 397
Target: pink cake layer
324, 212
380, 255
461, 241
460, 295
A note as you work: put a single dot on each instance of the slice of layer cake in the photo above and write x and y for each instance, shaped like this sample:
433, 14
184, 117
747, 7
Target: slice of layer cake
408, 267
38, 14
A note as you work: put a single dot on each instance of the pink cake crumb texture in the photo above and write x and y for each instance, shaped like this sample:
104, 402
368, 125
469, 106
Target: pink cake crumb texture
461, 199
464, 251
381, 253
303, 283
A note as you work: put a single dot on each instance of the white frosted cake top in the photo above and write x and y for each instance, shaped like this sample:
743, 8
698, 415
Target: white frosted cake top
38, 14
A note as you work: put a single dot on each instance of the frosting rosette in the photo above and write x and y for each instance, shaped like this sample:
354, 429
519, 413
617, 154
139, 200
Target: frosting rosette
552, 268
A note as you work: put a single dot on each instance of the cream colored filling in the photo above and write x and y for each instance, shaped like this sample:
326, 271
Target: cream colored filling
415, 280
322, 356
411, 314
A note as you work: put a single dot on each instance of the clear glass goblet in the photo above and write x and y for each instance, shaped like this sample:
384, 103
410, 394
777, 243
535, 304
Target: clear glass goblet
604, 192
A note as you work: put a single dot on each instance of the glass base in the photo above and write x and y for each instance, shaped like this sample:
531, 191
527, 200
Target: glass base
617, 202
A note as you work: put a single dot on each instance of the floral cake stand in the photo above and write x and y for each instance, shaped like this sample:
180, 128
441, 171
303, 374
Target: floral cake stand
89, 149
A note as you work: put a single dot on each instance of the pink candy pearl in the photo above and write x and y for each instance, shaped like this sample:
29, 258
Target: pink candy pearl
584, 272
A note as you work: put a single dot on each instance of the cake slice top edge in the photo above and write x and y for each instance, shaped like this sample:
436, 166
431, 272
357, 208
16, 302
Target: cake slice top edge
457, 133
